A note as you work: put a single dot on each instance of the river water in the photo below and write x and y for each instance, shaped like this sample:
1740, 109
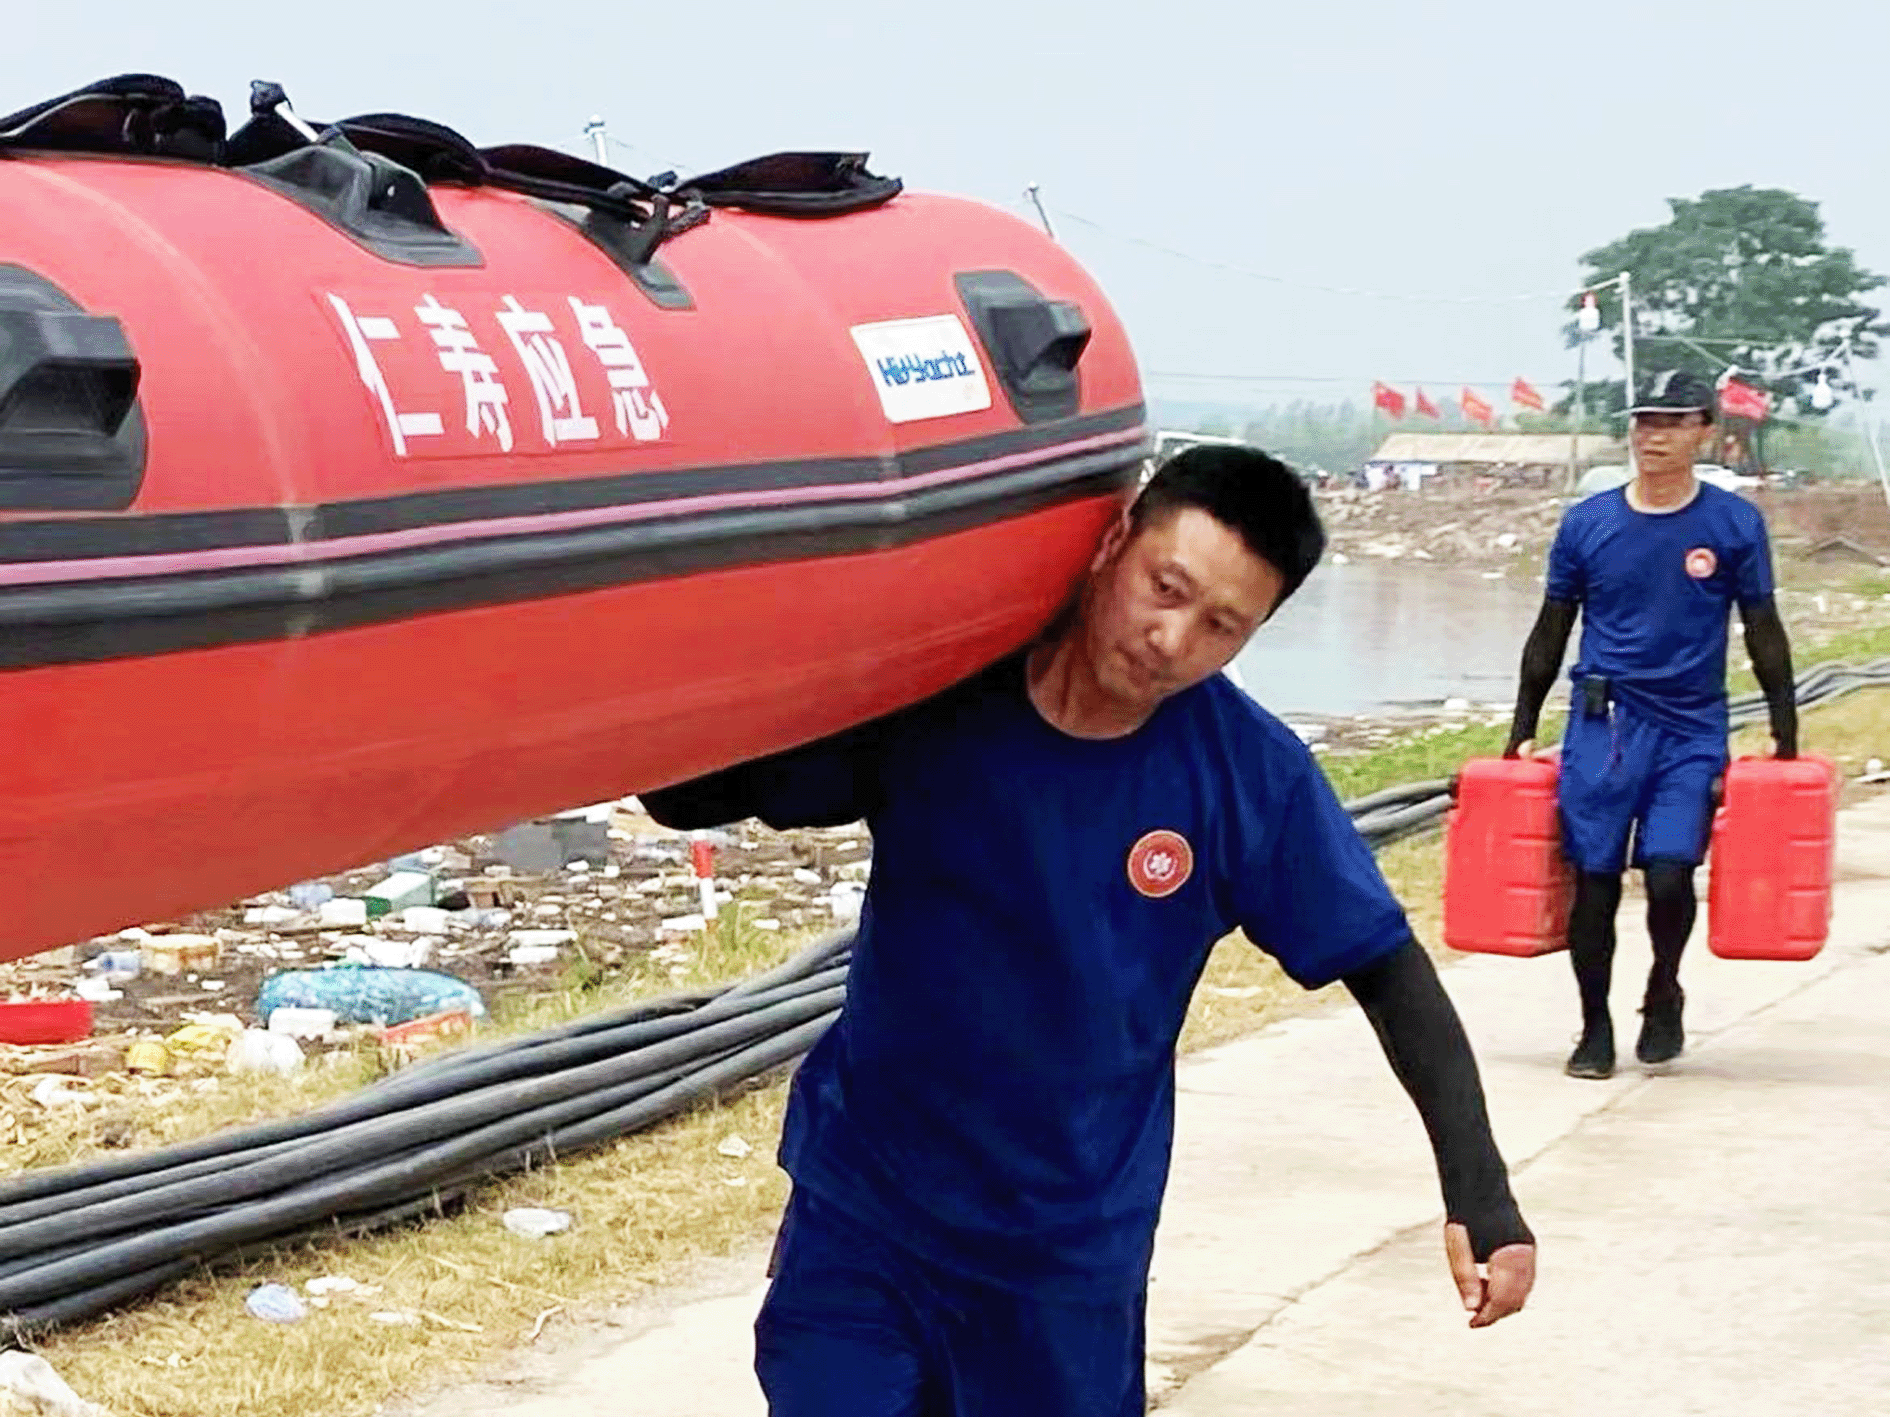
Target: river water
1373, 635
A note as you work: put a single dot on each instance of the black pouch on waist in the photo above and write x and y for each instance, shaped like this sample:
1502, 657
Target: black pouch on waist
1594, 696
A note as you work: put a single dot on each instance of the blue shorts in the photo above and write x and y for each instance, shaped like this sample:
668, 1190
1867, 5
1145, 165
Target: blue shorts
1622, 776
855, 1327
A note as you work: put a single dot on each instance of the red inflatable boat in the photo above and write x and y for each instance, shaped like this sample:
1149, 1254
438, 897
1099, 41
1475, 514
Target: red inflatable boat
360, 488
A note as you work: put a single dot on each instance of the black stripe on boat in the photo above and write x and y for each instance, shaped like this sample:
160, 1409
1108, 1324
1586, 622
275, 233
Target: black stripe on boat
77, 621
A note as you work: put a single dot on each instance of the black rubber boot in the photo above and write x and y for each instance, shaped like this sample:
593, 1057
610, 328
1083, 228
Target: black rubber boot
1594, 1055
1662, 1038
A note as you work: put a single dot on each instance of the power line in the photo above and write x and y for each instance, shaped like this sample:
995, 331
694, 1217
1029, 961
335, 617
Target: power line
1269, 278
1205, 376
616, 141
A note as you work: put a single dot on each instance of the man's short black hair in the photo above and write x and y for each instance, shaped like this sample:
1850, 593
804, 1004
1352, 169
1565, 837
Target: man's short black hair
1247, 491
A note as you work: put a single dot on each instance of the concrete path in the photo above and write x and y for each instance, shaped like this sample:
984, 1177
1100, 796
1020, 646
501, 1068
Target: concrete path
1714, 1239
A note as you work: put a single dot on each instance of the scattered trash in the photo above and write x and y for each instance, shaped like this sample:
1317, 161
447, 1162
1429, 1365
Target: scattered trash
369, 995
533, 939
400, 891
45, 1020
1874, 772
207, 1037
490, 893
261, 1051
395, 1318
426, 919
326, 1284
537, 847
58, 1091
411, 1037
302, 1023
150, 1057
344, 914
392, 954
535, 1223
311, 895
1235, 991
523, 955
767, 922
181, 954
30, 1380
845, 900
457, 1325
683, 924
733, 1146
271, 915
96, 989
116, 966
275, 1304
805, 877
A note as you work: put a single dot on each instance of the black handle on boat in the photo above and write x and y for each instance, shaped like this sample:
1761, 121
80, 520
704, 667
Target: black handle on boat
1040, 336
64, 372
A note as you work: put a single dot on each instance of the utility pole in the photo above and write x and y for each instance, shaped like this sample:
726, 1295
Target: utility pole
594, 130
1627, 356
1587, 321
1037, 201
1870, 424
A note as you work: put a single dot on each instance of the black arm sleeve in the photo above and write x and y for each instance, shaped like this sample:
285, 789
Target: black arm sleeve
1771, 656
1541, 662
824, 784
1424, 1039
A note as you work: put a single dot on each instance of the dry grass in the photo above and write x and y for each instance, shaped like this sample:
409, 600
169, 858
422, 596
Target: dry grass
643, 1210
1242, 989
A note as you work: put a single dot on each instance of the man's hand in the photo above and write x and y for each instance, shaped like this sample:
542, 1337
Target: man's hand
1511, 1274
1525, 749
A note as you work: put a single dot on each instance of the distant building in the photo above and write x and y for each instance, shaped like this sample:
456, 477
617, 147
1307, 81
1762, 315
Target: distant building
1409, 458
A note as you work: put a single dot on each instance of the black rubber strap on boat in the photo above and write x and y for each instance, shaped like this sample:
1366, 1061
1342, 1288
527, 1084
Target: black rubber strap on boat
134, 115
795, 184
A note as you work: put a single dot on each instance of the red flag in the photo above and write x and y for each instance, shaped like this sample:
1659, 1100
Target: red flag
1424, 405
1389, 399
1476, 410
1737, 400
1523, 396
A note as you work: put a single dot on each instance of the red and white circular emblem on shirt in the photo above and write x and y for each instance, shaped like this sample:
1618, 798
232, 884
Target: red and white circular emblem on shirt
1701, 562
1160, 863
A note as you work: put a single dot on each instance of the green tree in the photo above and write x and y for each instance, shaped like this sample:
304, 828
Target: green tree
1739, 277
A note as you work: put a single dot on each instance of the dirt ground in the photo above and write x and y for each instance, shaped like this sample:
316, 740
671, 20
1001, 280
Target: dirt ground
1472, 522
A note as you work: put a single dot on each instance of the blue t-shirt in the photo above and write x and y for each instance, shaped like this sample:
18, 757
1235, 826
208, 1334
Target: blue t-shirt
1656, 590
998, 1094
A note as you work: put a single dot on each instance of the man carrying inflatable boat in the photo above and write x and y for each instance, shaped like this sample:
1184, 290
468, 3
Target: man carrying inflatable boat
980, 1144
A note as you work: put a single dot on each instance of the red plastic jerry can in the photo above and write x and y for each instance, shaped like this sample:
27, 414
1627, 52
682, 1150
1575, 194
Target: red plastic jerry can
1507, 886
1774, 843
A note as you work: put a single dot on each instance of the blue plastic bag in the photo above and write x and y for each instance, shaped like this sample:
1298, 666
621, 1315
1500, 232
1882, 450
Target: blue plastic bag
365, 994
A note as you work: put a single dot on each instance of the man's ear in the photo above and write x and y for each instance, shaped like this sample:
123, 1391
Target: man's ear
1113, 541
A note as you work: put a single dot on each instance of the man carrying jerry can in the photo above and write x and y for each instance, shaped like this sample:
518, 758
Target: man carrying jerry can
1654, 568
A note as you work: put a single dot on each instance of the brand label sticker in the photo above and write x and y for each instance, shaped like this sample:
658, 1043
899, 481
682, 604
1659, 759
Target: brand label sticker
923, 368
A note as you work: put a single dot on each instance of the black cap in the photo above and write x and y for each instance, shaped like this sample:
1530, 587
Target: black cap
1675, 391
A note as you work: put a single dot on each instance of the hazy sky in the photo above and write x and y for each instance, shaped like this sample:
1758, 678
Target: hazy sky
1471, 149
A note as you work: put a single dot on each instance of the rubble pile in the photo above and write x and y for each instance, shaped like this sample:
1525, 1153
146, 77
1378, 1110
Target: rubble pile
1495, 528
411, 951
